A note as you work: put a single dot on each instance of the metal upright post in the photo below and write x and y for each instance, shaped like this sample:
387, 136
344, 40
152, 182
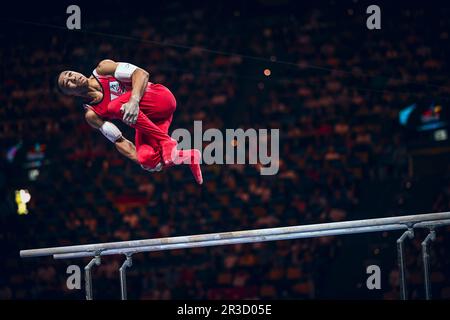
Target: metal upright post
426, 262
401, 262
123, 276
88, 277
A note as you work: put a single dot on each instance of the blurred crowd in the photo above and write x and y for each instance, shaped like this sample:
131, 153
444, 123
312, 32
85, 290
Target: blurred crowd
334, 91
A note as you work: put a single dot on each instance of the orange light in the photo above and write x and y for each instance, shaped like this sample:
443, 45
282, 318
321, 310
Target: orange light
267, 72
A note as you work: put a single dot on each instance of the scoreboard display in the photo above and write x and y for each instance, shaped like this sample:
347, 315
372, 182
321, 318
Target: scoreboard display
426, 124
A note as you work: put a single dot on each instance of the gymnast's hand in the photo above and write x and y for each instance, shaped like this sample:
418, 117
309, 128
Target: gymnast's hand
130, 111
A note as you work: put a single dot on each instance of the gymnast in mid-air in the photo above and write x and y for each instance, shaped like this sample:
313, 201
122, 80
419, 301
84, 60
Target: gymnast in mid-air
119, 90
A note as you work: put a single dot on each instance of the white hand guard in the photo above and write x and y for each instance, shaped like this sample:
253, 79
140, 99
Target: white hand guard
157, 168
110, 131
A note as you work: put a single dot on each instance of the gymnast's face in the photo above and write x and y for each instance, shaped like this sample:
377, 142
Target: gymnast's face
72, 83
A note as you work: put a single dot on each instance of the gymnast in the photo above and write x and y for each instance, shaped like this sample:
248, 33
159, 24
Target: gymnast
120, 90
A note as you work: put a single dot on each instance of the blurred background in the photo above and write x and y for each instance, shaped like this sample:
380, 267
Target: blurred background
363, 118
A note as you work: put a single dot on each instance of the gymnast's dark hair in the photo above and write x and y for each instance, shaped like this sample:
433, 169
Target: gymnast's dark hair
56, 84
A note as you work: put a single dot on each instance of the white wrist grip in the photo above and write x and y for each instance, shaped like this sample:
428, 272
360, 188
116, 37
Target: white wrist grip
110, 131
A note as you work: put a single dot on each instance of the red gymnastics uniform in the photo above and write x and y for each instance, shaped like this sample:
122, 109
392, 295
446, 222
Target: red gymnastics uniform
156, 109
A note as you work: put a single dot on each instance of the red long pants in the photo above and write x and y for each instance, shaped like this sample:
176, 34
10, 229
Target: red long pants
156, 110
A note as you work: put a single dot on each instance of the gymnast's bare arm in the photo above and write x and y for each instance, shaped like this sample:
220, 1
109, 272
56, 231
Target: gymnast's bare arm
123, 145
139, 81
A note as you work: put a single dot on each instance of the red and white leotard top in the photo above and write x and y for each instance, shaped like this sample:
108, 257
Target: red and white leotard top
112, 89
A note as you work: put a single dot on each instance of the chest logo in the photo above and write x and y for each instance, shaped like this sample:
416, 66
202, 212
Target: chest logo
115, 88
